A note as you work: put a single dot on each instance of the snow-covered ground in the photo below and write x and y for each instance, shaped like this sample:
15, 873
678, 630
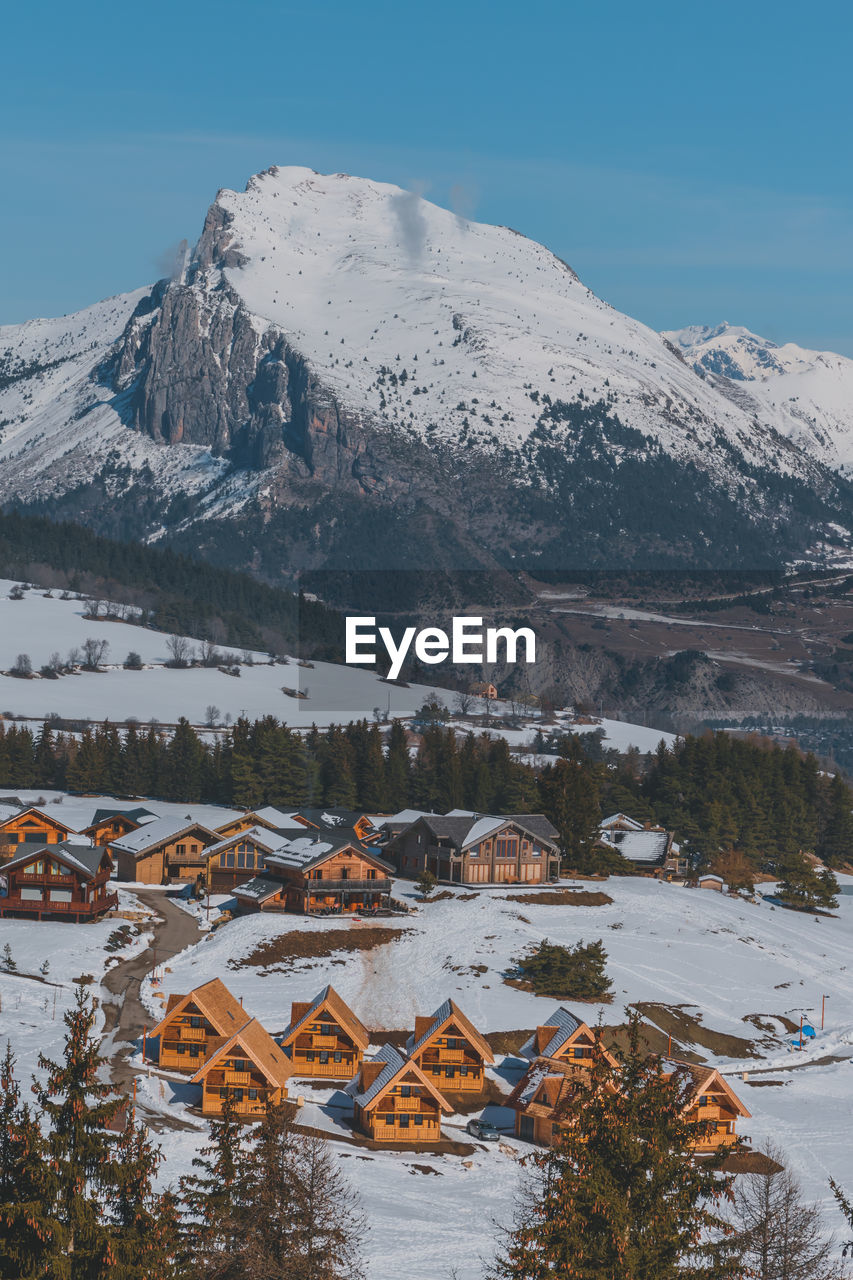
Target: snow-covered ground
722, 959
42, 624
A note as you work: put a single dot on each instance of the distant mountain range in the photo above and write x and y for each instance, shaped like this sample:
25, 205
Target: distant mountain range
343, 376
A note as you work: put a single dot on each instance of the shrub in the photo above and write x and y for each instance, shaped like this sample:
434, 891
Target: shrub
579, 974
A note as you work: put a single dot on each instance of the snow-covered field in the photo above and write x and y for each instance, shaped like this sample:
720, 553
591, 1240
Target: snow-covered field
41, 625
723, 959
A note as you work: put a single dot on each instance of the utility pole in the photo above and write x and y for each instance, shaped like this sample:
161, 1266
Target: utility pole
801, 1031
823, 1001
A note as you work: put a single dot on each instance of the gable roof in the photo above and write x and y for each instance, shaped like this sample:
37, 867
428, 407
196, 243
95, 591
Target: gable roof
391, 1065
51, 822
308, 851
139, 815
638, 846
703, 1078
86, 859
152, 834
623, 820
463, 828
564, 1024
257, 1044
214, 1001
445, 1013
340, 1011
264, 837
546, 1089
331, 819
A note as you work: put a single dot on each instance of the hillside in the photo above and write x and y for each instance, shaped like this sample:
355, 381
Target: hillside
337, 354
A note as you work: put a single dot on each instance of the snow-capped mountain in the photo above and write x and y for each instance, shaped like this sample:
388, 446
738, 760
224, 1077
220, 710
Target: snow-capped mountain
344, 375
808, 394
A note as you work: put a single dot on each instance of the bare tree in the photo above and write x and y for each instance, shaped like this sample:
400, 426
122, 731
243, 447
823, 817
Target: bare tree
462, 702
23, 667
94, 652
73, 659
780, 1234
212, 716
208, 653
179, 651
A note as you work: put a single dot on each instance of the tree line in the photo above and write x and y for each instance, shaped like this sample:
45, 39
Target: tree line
723, 797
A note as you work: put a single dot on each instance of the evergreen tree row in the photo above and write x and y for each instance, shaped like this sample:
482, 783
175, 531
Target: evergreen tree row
718, 794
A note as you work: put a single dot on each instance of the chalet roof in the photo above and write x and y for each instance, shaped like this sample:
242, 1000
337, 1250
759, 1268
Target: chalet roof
308, 851
257, 1044
704, 1078
621, 819
278, 819
83, 858
258, 889
565, 1025
450, 1012
340, 1011
158, 832
331, 819
39, 813
264, 837
638, 846
392, 1064
545, 1089
215, 1002
463, 828
138, 815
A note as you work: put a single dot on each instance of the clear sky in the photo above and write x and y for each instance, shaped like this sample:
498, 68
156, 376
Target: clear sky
692, 162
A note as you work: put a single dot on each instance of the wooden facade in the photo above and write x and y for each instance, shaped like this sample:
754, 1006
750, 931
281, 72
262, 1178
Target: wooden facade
450, 1050
196, 1024
324, 1038
229, 861
162, 851
564, 1037
242, 823
57, 882
714, 1107
478, 850
322, 874
331, 821
393, 1101
30, 827
107, 826
250, 1067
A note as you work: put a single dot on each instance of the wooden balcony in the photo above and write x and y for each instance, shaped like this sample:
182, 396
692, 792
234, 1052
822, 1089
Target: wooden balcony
324, 1042
407, 1104
44, 906
318, 887
191, 1033
238, 1077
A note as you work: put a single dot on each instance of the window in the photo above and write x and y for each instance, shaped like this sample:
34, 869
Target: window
325, 1029
338, 1056
389, 1120
195, 1050
343, 874
536, 851
195, 1021
250, 860
309, 1057
404, 1122
182, 1048
419, 1119
31, 895
450, 1072
253, 1095
371, 875
324, 1056
242, 848
180, 850
260, 860
405, 1091
463, 1071
60, 895
474, 851
241, 859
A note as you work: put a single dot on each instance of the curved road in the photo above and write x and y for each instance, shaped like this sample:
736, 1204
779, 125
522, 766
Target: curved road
125, 1015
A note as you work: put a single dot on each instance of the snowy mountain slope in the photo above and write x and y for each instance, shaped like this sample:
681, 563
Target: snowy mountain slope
336, 338
807, 394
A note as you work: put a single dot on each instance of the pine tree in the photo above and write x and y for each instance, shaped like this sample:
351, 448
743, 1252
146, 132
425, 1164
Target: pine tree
143, 1235
78, 1106
209, 1196
619, 1196
397, 768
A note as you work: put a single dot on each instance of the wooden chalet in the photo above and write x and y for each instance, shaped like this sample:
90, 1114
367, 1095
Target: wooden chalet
714, 1105
163, 850
545, 1098
325, 874
196, 1024
33, 827
394, 1102
58, 881
564, 1037
250, 1067
324, 1038
110, 824
230, 860
640, 843
473, 849
449, 1049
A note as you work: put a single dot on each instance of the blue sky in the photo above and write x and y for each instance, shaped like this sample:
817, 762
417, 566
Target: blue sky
692, 163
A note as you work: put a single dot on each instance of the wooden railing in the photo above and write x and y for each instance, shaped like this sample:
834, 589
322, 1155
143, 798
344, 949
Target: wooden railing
191, 1033
16, 903
238, 1077
412, 1103
333, 886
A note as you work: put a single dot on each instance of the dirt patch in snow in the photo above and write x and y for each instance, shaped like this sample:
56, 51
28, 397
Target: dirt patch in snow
313, 944
562, 898
750, 1162
684, 1023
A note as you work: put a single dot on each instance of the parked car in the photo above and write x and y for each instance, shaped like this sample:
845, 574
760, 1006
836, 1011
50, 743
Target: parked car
483, 1130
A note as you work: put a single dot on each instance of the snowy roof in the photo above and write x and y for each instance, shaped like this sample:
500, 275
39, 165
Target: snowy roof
392, 1061
623, 819
138, 815
464, 828
565, 1024
638, 846
306, 851
268, 840
277, 817
258, 889
86, 858
156, 832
